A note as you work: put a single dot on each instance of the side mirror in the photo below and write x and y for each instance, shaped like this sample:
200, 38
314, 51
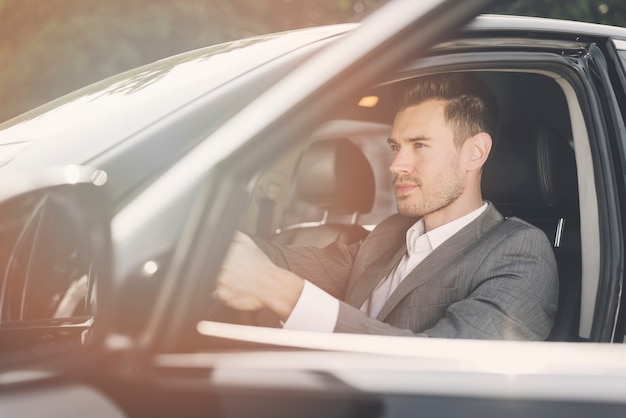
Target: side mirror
54, 245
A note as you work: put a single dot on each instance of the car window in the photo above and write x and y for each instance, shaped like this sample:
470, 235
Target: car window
536, 120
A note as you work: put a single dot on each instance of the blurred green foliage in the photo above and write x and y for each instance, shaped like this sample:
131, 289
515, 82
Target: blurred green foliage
607, 12
51, 47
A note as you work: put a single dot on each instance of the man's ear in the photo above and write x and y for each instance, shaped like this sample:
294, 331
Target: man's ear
478, 148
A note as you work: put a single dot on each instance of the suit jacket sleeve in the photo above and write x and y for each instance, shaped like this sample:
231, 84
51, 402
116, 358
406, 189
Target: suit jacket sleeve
329, 268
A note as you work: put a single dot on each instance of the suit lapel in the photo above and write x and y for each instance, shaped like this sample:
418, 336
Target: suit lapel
375, 274
448, 253
381, 252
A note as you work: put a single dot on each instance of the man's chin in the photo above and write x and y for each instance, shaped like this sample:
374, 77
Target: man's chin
409, 212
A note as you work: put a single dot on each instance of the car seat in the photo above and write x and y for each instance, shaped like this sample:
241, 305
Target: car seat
532, 175
335, 176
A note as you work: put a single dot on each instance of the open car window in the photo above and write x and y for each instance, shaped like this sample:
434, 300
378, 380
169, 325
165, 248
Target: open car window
541, 116
534, 174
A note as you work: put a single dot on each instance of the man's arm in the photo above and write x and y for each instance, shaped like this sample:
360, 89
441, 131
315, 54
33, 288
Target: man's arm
328, 268
513, 292
251, 281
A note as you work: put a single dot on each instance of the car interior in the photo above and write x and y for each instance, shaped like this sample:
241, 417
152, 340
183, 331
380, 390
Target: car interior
337, 186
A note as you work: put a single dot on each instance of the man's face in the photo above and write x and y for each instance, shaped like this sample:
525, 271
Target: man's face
426, 163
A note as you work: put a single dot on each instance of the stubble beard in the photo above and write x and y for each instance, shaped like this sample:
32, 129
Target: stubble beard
438, 196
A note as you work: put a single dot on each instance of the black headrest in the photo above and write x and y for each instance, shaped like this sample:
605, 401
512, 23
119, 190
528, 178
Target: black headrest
532, 166
335, 175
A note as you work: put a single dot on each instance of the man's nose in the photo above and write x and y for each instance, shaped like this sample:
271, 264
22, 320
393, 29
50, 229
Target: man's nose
401, 163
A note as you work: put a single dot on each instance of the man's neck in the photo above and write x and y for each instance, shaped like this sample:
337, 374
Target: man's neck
450, 213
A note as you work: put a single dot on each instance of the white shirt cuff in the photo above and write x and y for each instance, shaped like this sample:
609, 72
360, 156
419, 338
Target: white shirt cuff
315, 310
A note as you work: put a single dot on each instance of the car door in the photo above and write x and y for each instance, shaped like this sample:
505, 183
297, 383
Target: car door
601, 104
613, 78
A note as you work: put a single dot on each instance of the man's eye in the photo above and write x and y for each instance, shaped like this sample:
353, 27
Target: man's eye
417, 145
394, 147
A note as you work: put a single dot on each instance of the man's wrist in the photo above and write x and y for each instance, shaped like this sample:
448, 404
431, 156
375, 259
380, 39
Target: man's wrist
315, 310
286, 295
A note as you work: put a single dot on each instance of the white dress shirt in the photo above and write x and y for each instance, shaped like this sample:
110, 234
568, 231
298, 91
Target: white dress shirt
316, 310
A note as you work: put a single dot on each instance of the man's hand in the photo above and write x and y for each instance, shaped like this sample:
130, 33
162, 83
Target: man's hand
250, 281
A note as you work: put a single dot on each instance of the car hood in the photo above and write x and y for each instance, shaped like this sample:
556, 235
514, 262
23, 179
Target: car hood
81, 125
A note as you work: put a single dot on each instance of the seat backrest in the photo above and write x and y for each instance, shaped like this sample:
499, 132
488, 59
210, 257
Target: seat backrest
335, 176
532, 172
532, 175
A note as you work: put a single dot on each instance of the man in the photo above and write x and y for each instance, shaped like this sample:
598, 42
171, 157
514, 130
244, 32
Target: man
447, 265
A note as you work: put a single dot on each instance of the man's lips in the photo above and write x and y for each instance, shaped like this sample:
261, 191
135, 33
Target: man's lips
403, 188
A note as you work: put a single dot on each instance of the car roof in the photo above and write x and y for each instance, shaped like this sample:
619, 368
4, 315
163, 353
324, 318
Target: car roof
546, 25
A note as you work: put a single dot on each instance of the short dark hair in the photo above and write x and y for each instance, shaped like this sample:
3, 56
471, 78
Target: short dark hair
471, 105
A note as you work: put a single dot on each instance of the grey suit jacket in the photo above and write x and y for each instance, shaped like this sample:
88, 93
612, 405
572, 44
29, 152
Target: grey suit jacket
494, 279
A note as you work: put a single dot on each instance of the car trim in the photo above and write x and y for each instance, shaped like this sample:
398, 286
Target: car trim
506, 23
619, 44
411, 365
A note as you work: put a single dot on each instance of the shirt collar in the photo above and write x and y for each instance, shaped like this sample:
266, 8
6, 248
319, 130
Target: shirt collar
437, 236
